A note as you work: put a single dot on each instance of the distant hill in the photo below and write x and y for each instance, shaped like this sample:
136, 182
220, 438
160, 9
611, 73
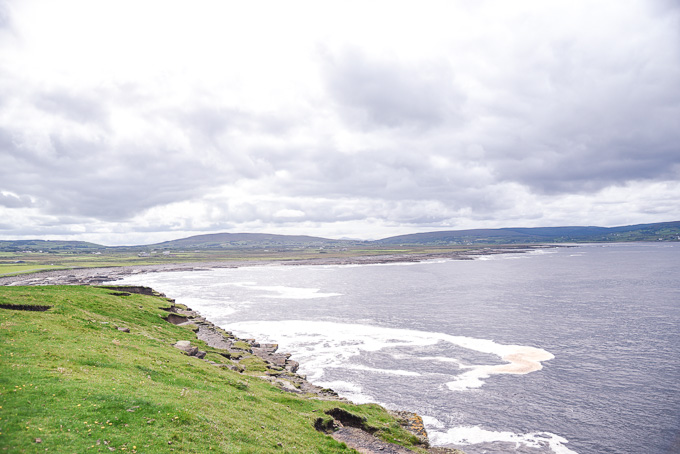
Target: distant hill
48, 246
664, 231
245, 240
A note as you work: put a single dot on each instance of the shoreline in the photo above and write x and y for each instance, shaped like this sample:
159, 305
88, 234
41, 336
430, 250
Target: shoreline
282, 372
286, 376
97, 276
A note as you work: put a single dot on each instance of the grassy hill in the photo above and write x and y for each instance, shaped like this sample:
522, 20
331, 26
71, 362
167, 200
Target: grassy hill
244, 240
665, 231
29, 256
71, 381
48, 246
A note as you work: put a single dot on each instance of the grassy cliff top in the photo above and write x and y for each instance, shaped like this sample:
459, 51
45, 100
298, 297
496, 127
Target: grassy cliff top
71, 381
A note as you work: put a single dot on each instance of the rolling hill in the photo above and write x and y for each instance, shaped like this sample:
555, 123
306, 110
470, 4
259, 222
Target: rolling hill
662, 231
245, 240
48, 246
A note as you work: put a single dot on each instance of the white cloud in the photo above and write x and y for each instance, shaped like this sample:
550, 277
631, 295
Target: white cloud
338, 119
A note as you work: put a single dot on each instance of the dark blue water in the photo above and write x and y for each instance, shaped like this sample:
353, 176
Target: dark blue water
566, 350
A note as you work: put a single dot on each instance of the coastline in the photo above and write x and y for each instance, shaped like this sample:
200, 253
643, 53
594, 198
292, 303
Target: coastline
282, 371
97, 276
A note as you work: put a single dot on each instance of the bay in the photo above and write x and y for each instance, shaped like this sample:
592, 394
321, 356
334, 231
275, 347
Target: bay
564, 350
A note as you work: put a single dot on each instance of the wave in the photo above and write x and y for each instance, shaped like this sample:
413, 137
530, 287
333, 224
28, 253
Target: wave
319, 346
282, 291
474, 435
330, 354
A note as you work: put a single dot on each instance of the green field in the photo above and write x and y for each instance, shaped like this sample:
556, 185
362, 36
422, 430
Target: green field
26, 262
8, 269
71, 382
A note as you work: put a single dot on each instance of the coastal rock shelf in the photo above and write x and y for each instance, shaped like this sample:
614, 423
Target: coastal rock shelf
278, 369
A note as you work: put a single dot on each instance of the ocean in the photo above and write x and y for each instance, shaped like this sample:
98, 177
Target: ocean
563, 350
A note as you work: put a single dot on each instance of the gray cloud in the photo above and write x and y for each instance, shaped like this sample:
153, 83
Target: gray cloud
594, 116
14, 201
5, 17
385, 93
499, 122
84, 108
208, 122
91, 178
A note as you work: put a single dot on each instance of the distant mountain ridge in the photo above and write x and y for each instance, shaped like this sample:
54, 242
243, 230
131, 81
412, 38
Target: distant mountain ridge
48, 245
222, 240
662, 231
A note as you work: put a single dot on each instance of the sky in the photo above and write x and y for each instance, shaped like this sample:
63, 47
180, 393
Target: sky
135, 122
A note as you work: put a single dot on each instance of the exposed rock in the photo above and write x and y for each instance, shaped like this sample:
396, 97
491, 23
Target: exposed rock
177, 319
414, 424
125, 330
366, 443
130, 288
186, 347
327, 425
350, 419
211, 335
270, 348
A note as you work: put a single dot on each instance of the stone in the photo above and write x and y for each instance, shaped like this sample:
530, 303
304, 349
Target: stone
292, 365
186, 347
177, 319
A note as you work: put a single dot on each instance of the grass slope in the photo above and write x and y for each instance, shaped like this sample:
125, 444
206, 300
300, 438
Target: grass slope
71, 382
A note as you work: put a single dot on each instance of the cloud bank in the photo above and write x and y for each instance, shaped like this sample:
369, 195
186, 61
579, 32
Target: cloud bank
123, 123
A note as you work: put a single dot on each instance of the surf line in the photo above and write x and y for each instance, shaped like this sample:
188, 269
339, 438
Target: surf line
520, 359
319, 345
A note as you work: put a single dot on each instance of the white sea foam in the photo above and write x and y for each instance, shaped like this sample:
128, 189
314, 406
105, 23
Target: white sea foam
516, 255
351, 391
321, 345
283, 292
362, 265
218, 307
472, 435
432, 422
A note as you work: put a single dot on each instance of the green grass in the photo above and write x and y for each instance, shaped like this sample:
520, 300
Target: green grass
70, 378
36, 261
7, 270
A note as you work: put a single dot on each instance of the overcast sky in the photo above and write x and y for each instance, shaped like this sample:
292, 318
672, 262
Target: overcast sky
130, 122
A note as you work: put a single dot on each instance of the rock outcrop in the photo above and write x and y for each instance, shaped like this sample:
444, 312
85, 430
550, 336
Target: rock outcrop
280, 370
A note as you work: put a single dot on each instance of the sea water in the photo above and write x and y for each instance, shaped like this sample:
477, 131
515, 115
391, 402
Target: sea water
564, 350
